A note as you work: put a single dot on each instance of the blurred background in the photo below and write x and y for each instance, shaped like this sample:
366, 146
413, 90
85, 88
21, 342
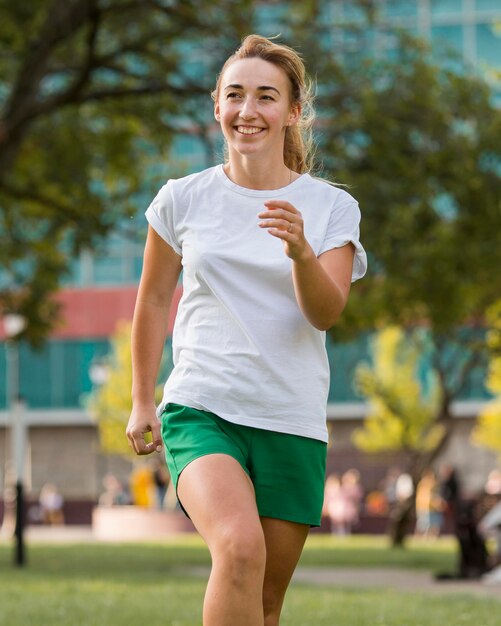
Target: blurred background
102, 101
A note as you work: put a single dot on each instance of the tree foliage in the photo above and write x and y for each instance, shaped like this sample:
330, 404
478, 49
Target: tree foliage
488, 429
91, 94
416, 140
110, 404
418, 145
403, 409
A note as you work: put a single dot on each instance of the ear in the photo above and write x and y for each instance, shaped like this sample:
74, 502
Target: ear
294, 114
217, 114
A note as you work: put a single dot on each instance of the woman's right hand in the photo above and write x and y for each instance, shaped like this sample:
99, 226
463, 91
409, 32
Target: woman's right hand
143, 420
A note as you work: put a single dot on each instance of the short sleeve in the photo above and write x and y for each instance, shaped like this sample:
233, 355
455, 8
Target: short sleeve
343, 228
160, 216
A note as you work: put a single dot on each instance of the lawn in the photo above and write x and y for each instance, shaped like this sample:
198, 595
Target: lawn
157, 584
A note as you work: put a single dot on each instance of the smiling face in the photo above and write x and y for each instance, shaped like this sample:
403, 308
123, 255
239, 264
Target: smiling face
254, 108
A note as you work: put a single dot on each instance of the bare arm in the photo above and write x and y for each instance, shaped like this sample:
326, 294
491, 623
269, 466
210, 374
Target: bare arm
161, 269
322, 284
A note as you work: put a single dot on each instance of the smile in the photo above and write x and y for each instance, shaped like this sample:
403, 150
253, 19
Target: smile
248, 130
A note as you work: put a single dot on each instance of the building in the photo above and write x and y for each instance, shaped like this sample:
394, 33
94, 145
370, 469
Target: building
63, 442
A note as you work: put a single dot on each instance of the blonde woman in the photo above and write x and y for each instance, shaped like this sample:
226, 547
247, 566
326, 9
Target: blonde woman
268, 255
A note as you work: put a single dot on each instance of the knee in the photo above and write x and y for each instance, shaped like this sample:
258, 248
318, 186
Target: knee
242, 554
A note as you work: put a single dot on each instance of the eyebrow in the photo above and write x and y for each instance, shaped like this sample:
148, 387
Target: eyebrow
262, 88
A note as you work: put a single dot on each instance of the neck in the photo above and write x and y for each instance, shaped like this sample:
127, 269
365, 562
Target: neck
253, 174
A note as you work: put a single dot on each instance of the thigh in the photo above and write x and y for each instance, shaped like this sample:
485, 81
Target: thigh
219, 498
284, 544
189, 434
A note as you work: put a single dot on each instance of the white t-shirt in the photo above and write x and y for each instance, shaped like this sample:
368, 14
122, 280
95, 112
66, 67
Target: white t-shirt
242, 348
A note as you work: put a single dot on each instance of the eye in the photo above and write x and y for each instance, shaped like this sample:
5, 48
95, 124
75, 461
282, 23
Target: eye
232, 95
266, 97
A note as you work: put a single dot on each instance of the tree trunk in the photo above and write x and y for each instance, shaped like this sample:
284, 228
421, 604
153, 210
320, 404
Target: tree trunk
400, 522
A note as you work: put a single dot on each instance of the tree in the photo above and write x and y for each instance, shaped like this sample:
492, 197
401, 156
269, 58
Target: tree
110, 404
403, 408
91, 94
488, 429
416, 141
404, 397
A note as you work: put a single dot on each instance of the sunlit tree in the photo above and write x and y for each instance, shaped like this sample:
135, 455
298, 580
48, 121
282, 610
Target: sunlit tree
403, 408
110, 403
488, 429
404, 396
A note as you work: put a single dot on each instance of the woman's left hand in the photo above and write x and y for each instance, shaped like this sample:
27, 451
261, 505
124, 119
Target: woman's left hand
284, 221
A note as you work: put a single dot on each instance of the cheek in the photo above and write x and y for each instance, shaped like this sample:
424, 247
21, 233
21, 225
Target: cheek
227, 114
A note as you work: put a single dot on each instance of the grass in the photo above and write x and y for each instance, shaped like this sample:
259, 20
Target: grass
127, 585
374, 551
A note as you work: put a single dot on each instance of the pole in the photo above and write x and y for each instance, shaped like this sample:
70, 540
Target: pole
20, 552
19, 455
18, 447
11, 388
14, 324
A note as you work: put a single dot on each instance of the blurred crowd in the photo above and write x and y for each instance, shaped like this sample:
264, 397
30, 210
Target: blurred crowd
436, 503
147, 486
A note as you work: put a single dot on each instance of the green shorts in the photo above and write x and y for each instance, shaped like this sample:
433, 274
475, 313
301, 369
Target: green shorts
287, 471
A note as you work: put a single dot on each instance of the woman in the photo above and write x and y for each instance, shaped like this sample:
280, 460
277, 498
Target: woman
268, 254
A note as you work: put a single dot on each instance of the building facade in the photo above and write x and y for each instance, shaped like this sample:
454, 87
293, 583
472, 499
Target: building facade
63, 444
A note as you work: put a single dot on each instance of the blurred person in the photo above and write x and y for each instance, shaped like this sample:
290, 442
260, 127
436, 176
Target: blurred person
491, 493
429, 506
268, 254
404, 487
402, 509
142, 486
51, 504
353, 494
493, 484
342, 500
490, 526
376, 502
450, 492
335, 505
161, 479
490, 523
389, 485
115, 493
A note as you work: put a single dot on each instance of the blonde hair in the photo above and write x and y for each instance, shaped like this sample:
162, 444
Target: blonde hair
299, 145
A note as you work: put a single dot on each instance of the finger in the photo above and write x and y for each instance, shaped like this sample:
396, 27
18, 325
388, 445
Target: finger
130, 439
281, 204
277, 214
157, 443
283, 234
138, 443
283, 224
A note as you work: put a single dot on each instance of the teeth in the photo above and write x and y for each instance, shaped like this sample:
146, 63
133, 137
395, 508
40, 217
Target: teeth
248, 131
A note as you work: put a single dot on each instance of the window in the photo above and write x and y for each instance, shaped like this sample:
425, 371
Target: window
489, 44
447, 39
488, 5
441, 7
401, 8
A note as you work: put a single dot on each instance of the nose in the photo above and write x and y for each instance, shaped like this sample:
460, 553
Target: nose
248, 109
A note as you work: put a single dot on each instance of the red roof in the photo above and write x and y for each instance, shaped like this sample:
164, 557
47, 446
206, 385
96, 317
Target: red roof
94, 312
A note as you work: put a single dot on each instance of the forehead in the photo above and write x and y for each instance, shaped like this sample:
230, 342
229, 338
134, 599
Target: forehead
254, 72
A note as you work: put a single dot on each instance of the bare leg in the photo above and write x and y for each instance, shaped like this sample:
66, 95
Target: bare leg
284, 544
220, 500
